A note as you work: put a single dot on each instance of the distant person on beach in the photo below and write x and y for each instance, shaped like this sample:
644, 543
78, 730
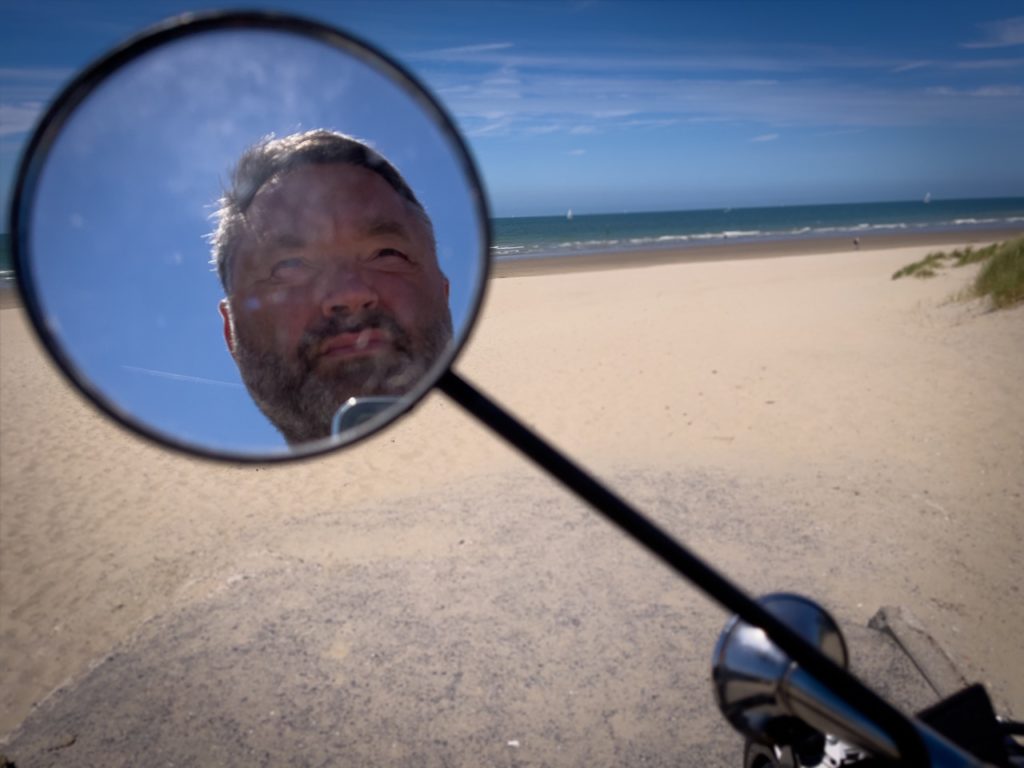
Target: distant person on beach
332, 285
856, 243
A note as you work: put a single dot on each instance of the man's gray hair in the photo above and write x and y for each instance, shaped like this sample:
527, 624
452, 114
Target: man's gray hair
271, 157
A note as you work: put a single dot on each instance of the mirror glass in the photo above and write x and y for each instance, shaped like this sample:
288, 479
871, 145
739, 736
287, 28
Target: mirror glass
344, 259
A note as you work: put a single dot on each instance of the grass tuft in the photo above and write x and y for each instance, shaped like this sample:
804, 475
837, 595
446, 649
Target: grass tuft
923, 268
970, 256
1002, 278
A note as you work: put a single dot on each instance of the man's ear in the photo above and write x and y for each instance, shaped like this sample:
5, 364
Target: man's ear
229, 331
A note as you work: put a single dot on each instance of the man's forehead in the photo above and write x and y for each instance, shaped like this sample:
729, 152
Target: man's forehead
318, 188
317, 202
331, 198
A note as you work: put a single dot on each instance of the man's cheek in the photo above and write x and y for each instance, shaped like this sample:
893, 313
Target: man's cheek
411, 302
275, 330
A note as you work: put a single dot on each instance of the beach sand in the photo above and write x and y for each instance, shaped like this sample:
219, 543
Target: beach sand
804, 422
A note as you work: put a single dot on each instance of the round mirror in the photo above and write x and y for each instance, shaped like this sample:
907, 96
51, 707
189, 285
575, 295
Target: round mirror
237, 226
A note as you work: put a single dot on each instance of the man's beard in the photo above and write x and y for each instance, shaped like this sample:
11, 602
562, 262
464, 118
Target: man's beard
301, 400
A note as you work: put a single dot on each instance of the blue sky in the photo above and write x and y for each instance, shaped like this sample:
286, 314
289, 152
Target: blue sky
605, 107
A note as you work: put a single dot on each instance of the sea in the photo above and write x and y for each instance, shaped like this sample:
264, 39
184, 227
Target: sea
572, 234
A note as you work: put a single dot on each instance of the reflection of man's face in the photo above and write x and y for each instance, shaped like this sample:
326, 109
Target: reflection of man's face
335, 292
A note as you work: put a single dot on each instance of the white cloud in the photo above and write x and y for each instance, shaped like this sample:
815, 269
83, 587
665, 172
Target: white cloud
960, 65
766, 137
653, 122
577, 152
493, 127
540, 130
999, 34
912, 65
461, 53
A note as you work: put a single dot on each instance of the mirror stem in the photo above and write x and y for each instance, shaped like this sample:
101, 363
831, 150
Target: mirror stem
614, 509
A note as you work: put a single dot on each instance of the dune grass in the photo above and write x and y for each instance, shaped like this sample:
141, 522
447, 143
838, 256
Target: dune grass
1001, 278
924, 268
970, 256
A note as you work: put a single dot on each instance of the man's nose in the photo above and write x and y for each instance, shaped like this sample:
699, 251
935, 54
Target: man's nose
347, 293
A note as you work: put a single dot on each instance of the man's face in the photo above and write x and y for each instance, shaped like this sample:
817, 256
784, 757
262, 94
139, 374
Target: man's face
335, 292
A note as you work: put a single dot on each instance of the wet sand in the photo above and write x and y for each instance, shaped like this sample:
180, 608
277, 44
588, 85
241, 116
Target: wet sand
9, 296
804, 421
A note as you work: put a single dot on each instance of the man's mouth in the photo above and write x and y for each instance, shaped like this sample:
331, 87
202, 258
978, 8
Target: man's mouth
350, 344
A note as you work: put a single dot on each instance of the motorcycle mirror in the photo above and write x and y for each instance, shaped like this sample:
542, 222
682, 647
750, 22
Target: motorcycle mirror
177, 284
752, 675
769, 698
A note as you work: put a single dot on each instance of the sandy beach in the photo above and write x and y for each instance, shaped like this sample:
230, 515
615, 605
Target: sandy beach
803, 421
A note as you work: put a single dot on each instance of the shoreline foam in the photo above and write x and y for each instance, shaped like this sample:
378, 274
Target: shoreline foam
521, 266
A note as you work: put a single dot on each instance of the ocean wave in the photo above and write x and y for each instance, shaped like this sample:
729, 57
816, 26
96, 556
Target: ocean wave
578, 244
797, 231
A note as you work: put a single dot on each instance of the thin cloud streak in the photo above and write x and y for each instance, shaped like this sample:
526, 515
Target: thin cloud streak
794, 60
797, 59
19, 118
497, 89
910, 66
460, 52
999, 34
34, 73
550, 104
988, 64
18, 86
985, 92
960, 65
181, 377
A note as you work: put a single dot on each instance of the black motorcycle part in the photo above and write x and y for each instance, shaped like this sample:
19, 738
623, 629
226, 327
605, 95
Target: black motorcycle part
967, 719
